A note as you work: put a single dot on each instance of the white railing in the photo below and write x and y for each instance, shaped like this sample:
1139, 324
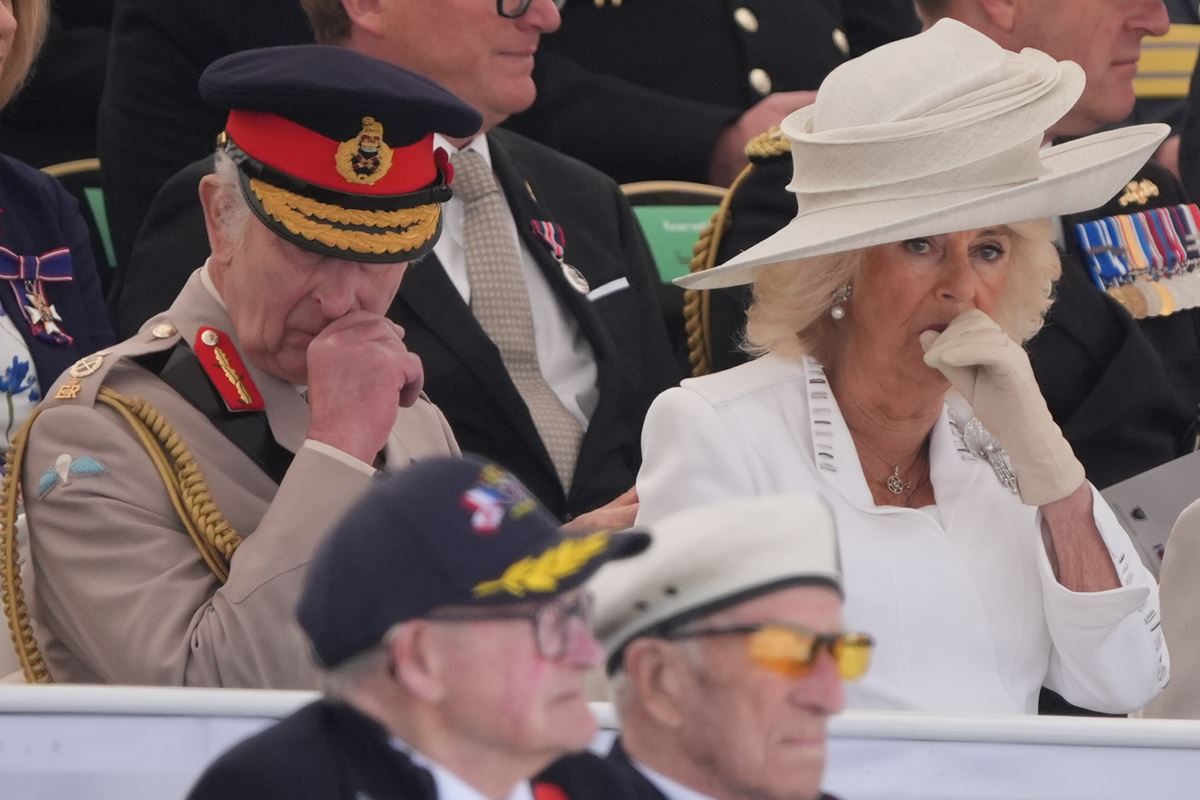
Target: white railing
133, 743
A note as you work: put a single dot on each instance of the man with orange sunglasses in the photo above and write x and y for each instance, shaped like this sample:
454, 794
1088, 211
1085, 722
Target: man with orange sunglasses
727, 655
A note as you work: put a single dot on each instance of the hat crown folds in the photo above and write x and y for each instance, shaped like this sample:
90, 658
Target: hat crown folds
896, 123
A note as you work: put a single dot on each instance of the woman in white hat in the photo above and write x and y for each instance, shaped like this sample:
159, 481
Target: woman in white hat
888, 316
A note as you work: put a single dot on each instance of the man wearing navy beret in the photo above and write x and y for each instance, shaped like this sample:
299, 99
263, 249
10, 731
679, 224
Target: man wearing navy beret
449, 612
177, 484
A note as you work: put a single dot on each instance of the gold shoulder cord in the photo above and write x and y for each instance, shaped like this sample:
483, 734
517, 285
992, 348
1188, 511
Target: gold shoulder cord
214, 537
766, 145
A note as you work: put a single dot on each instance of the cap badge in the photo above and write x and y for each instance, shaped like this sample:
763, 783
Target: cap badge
364, 159
541, 574
496, 495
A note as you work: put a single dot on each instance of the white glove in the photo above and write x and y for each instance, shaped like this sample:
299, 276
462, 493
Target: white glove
992, 372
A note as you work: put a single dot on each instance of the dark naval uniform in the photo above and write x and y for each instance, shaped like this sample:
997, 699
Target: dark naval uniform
1103, 379
590, 777
685, 70
324, 751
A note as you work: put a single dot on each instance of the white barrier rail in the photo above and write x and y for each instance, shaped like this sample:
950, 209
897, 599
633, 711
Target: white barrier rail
134, 743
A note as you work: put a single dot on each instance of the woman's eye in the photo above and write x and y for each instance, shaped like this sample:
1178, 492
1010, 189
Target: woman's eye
918, 246
991, 252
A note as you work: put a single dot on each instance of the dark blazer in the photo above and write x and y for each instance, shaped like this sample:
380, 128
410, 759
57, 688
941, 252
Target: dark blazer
464, 375
1103, 380
640, 89
38, 216
152, 121
586, 776
324, 751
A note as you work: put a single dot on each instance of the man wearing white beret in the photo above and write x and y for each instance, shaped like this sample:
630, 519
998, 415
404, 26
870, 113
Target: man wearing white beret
725, 646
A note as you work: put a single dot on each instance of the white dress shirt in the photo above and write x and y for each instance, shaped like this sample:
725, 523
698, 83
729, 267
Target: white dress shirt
450, 786
564, 353
963, 604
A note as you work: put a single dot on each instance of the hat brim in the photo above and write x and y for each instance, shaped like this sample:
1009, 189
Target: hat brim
1080, 175
398, 235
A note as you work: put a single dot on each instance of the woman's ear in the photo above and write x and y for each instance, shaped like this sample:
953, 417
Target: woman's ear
417, 663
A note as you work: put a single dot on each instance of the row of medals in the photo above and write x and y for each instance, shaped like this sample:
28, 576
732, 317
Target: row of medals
1154, 298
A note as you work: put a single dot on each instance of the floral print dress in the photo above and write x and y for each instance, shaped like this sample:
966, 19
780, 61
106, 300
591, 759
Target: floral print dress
18, 380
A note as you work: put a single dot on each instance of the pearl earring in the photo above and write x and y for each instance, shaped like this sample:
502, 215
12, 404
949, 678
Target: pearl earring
840, 297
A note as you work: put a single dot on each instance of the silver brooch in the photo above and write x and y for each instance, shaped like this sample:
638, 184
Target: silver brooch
985, 447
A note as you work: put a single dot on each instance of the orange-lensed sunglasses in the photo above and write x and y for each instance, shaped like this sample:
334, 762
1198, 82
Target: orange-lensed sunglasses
792, 649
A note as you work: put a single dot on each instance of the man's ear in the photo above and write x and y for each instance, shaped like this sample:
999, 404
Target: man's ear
417, 662
214, 210
1001, 13
658, 673
366, 15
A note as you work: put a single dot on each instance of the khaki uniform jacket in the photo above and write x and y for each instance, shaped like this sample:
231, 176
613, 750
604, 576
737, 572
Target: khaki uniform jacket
120, 593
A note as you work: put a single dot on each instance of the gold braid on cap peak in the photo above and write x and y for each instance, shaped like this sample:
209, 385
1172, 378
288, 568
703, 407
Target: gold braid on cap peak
306, 217
541, 574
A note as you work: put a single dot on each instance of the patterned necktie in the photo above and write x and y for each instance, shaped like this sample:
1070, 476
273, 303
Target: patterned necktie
500, 303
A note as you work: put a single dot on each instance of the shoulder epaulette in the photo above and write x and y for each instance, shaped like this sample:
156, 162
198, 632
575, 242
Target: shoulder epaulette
83, 379
768, 146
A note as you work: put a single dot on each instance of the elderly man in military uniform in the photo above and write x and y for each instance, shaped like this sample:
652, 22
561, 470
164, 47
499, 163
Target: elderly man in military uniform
727, 655
452, 616
177, 485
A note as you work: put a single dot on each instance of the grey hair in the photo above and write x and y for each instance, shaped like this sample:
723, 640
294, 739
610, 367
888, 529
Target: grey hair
373, 662
790, 312
235, 211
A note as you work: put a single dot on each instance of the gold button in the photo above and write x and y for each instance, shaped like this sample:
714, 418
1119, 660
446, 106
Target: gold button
745, 19
163, 330
210, 338
760, 81
840, 41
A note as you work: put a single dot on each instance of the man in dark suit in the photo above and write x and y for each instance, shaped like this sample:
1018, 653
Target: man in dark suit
600, 345
1104, 380
454, 669
724, 679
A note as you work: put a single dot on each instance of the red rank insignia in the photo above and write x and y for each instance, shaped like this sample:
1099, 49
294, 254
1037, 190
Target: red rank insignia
226, 370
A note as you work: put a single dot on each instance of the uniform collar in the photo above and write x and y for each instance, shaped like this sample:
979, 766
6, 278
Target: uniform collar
199, 305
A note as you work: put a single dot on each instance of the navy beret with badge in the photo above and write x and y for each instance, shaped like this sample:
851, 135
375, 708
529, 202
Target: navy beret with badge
443, 533
335, 148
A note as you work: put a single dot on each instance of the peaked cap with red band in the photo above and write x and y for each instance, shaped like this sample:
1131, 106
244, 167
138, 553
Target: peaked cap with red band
335, 148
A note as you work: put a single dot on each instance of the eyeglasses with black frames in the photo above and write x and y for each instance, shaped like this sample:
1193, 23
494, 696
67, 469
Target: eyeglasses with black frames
512, 9
792, 650
551, 621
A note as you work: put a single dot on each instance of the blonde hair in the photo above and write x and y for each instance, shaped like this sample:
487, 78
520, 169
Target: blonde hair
32, 18
790, 312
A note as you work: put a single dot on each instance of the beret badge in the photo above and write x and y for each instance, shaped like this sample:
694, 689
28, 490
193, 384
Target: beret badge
365, 159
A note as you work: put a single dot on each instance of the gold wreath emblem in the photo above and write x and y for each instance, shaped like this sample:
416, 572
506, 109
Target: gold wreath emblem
541, 575
365, 159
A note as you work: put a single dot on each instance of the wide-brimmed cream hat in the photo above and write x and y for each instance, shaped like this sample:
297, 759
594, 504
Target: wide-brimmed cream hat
936, 133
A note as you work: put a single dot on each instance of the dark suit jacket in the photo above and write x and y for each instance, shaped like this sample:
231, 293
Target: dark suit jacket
1103, 380
586, 776
152, 121
641, 89
39, 216
464, 375
324, 751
